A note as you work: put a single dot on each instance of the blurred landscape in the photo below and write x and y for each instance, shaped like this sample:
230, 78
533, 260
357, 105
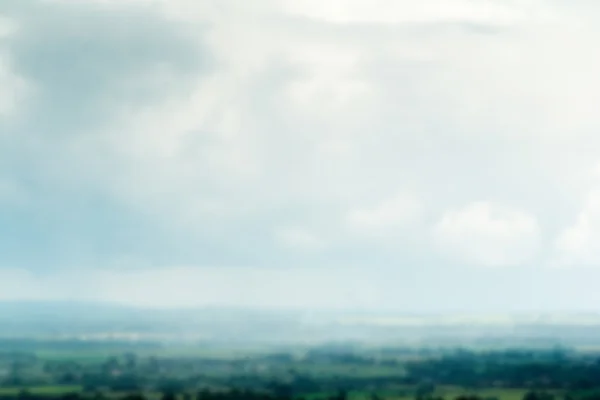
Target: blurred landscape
303, 195
105, 321
93, 350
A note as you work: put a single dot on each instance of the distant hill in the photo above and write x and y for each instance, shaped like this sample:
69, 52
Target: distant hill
88, 320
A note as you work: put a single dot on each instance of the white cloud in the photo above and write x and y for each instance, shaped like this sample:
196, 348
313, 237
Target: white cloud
7, 27
23, 284
307, 115
13, 87
406, 11
125, 3
206, 144
391, 213
331, 81
579, 244
488, 234
263, 287
344, 119
184, 286
300, 238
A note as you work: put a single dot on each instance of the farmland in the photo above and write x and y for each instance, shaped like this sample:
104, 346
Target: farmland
96, 370
53, 351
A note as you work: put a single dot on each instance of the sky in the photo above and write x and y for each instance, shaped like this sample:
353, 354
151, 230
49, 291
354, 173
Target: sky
430, 156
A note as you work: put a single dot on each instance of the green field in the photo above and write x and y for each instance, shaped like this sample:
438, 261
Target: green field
49, 390
320, 373
448, 392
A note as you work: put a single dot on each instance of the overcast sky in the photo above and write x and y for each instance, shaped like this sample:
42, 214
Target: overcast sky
431, 155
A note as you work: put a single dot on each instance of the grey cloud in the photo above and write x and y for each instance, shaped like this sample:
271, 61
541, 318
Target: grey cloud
86, 59
87, 65
441, 114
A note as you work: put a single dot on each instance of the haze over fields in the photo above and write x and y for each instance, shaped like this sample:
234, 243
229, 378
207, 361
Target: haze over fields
432, 156
105, 323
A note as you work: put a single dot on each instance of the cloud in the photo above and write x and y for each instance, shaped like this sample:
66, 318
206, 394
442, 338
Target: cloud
394, 12
297, 133
7, 27
23, 284
14, 88
390, 213
350, 288
177, 286
577, 244
11, 193
299, 238
488, 234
